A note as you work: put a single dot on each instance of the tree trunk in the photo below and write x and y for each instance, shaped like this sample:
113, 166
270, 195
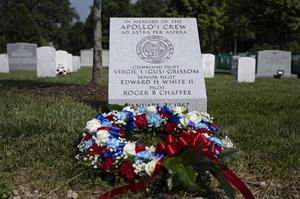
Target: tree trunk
235, 46
97, 60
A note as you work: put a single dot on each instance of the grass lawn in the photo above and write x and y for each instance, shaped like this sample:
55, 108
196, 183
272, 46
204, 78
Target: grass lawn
38, 135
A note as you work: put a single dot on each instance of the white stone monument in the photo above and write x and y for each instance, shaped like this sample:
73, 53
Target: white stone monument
46, 62
208, 65
22, 56
156, 61
4, 68
76, 63
246, 69
61, 59
105, 58
86, 58
270, 61
70, 62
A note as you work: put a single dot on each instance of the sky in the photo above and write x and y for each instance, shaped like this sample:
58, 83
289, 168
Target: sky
82, 7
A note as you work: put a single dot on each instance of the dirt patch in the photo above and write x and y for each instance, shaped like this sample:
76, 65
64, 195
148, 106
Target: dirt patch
90, 93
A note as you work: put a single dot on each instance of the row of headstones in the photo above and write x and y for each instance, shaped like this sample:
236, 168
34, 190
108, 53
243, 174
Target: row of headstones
44, 60
244, 68
245, 72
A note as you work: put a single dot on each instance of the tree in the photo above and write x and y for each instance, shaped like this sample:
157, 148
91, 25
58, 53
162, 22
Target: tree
150, 8
97, 62
37, 21
209, 16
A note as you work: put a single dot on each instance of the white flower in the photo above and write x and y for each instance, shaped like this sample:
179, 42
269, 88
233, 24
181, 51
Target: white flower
92, 125
150, 166
179, 109
193, 116
227, 143
151, 109
102, 136
128, 108
129, 148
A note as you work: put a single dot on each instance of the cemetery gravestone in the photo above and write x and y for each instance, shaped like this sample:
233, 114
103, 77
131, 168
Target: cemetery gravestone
4, 68
61, 59
22, 56
105, 58
76, 63
86, 57
46, 62
156, 61
70, 62
246, 69
208, 65
270, 61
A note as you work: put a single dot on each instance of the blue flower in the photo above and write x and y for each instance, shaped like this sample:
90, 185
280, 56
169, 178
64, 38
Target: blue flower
167, 110
216, 141
113, 143
153, 119
106, 124
212, 128
124, 115
175, 119
114, 132
88, 144
191, 123
141, 110
144, 155
201, 125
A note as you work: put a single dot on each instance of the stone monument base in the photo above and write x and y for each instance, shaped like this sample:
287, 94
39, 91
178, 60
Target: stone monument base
290, 76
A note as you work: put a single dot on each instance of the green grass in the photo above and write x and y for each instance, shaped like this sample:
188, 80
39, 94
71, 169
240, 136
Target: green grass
38, 135
29, 79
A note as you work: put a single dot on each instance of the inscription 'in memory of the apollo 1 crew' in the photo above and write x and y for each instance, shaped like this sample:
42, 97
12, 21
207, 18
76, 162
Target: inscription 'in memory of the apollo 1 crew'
156, 61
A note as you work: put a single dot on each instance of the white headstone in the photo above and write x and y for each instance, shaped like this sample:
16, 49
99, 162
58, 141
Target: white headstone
208, 65
246, 69
270, 61
156, 61
70, 62
61, 59
105, 58
46, 62
4, 68
76, 63
22, 56
86, 58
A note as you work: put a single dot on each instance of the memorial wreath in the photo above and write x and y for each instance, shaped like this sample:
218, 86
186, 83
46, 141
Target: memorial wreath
136, 144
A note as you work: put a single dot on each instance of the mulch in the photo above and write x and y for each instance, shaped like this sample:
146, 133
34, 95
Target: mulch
90, 93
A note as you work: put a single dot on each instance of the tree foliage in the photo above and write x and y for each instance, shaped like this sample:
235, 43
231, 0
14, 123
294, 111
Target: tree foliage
250, 24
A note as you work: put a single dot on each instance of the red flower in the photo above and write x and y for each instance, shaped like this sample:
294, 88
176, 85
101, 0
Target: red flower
203, 130
103, 128
139, 148
163, 114
140, 121
87, 137
122, 132
110, 118
93, 150
127, 170
170, 127
107, 164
